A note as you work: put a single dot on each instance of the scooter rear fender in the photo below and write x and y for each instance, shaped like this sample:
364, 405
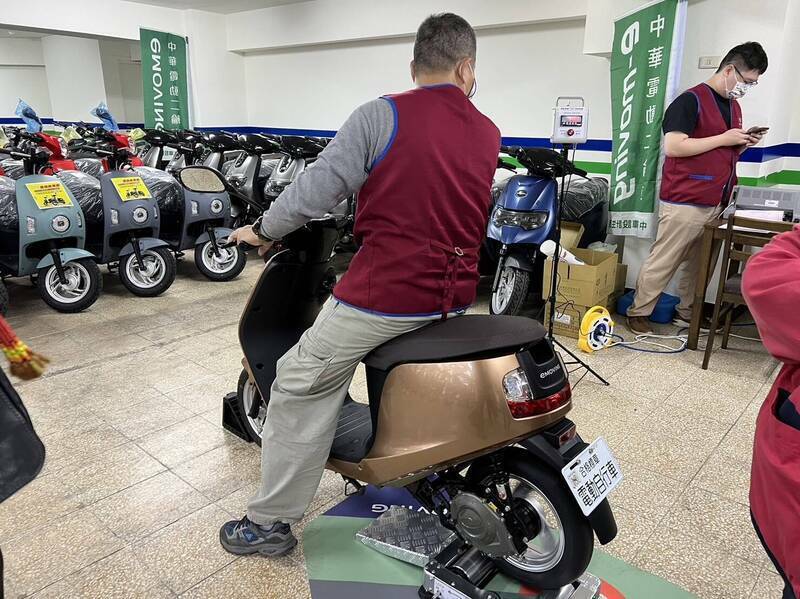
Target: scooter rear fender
602, 518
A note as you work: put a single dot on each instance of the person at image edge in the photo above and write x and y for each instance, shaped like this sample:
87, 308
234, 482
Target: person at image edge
703, 139
771, 286
422, 162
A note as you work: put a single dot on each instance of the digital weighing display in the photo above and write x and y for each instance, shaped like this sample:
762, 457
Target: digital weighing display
571, 120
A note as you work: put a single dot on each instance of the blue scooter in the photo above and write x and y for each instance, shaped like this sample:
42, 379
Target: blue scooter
523, 217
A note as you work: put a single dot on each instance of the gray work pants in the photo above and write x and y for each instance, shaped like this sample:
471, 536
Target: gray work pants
305, 400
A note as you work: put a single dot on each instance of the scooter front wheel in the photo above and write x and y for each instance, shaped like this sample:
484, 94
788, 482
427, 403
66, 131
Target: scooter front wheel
155, 276
80, 290
224, 266
562, 549
247, 394
512, 290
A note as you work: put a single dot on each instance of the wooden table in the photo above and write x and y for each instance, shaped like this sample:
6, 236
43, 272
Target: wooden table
714, 232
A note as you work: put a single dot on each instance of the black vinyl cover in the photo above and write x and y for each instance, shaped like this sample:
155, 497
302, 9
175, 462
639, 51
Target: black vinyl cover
86, 190
586, 202
21, 450
165, 189
90, 166
458, 338
9, 227
13, 168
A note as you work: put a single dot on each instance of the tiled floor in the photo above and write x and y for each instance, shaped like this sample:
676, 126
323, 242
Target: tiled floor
140, 475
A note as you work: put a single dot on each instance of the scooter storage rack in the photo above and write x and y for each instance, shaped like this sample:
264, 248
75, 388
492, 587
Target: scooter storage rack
451, 568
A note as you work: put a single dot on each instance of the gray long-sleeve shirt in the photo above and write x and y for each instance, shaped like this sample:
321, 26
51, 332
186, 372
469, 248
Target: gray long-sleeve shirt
339, 171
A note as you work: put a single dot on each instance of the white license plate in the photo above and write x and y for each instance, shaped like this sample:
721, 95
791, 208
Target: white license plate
592, 475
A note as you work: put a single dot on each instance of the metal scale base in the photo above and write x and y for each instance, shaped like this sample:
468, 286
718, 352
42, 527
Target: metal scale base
451, 569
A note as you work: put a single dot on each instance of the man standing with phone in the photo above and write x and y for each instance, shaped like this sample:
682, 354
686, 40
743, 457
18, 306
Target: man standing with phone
703, 139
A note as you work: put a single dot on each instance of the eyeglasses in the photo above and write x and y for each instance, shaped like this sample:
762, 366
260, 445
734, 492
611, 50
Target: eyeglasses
744, 80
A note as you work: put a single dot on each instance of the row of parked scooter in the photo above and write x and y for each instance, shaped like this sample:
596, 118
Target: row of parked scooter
91, 196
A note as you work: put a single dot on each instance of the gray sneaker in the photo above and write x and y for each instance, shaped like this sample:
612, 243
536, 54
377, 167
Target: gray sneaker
243, 537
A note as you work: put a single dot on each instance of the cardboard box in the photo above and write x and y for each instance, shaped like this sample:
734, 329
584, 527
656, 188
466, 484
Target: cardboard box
569, 316
587, 284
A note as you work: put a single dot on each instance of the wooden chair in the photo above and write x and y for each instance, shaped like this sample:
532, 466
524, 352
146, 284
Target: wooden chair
734, 257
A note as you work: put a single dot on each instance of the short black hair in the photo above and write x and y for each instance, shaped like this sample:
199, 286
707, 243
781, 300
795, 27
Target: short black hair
442, 40
748, 56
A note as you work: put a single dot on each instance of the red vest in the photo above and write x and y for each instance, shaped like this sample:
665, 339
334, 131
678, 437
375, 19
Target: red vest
422, 213
770, 287
705, 179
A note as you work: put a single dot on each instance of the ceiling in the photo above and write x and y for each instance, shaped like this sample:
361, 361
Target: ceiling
220, 6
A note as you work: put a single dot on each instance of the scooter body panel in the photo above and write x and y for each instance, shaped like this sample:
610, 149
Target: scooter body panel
200, 209
283, 175
54, 216
137, 213
242, 177
524, 193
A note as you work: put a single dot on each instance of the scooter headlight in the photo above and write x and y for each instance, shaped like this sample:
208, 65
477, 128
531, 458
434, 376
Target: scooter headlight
236, 180
139, 215
60, 223
30, 224
114, 217
216, 206
195, 208
526, 220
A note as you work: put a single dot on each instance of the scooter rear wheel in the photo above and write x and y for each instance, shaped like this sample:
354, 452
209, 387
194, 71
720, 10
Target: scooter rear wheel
562, 549
228, 265
246, 394
81, 290
156, 277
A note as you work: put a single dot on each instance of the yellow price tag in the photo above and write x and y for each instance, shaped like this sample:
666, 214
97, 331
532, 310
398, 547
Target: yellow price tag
50, 194
131, 188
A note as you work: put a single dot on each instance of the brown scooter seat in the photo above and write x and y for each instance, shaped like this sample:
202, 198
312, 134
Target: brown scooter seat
459, 338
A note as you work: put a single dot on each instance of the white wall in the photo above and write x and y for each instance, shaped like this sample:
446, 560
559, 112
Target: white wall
22, 75
217, 75
74, 76
316, 87
122, 78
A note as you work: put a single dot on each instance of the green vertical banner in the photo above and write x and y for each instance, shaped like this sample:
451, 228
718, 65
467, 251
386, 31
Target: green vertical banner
164, 80
645, 62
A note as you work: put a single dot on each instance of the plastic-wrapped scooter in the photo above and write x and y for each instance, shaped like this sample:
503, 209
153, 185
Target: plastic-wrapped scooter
123, 220
42, 232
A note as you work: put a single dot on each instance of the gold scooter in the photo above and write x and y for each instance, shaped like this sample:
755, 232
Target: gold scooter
468, 414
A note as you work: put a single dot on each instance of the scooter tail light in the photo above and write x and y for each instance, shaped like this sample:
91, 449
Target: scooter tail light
520, 399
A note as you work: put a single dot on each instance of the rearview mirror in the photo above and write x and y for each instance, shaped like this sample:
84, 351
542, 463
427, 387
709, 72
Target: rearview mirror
201, 179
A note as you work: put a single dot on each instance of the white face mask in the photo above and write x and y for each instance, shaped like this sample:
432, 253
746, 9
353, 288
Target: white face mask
474, 89
739, 89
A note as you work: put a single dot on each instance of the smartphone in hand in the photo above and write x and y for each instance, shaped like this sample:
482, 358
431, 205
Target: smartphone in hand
757, 130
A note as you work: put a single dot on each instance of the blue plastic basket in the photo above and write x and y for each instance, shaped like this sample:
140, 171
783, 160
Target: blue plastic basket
663, 313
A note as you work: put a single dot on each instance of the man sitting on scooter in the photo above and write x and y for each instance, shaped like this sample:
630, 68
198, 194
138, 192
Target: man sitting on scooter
422, 162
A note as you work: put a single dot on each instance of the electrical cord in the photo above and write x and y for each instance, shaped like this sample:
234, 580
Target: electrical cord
681, 336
